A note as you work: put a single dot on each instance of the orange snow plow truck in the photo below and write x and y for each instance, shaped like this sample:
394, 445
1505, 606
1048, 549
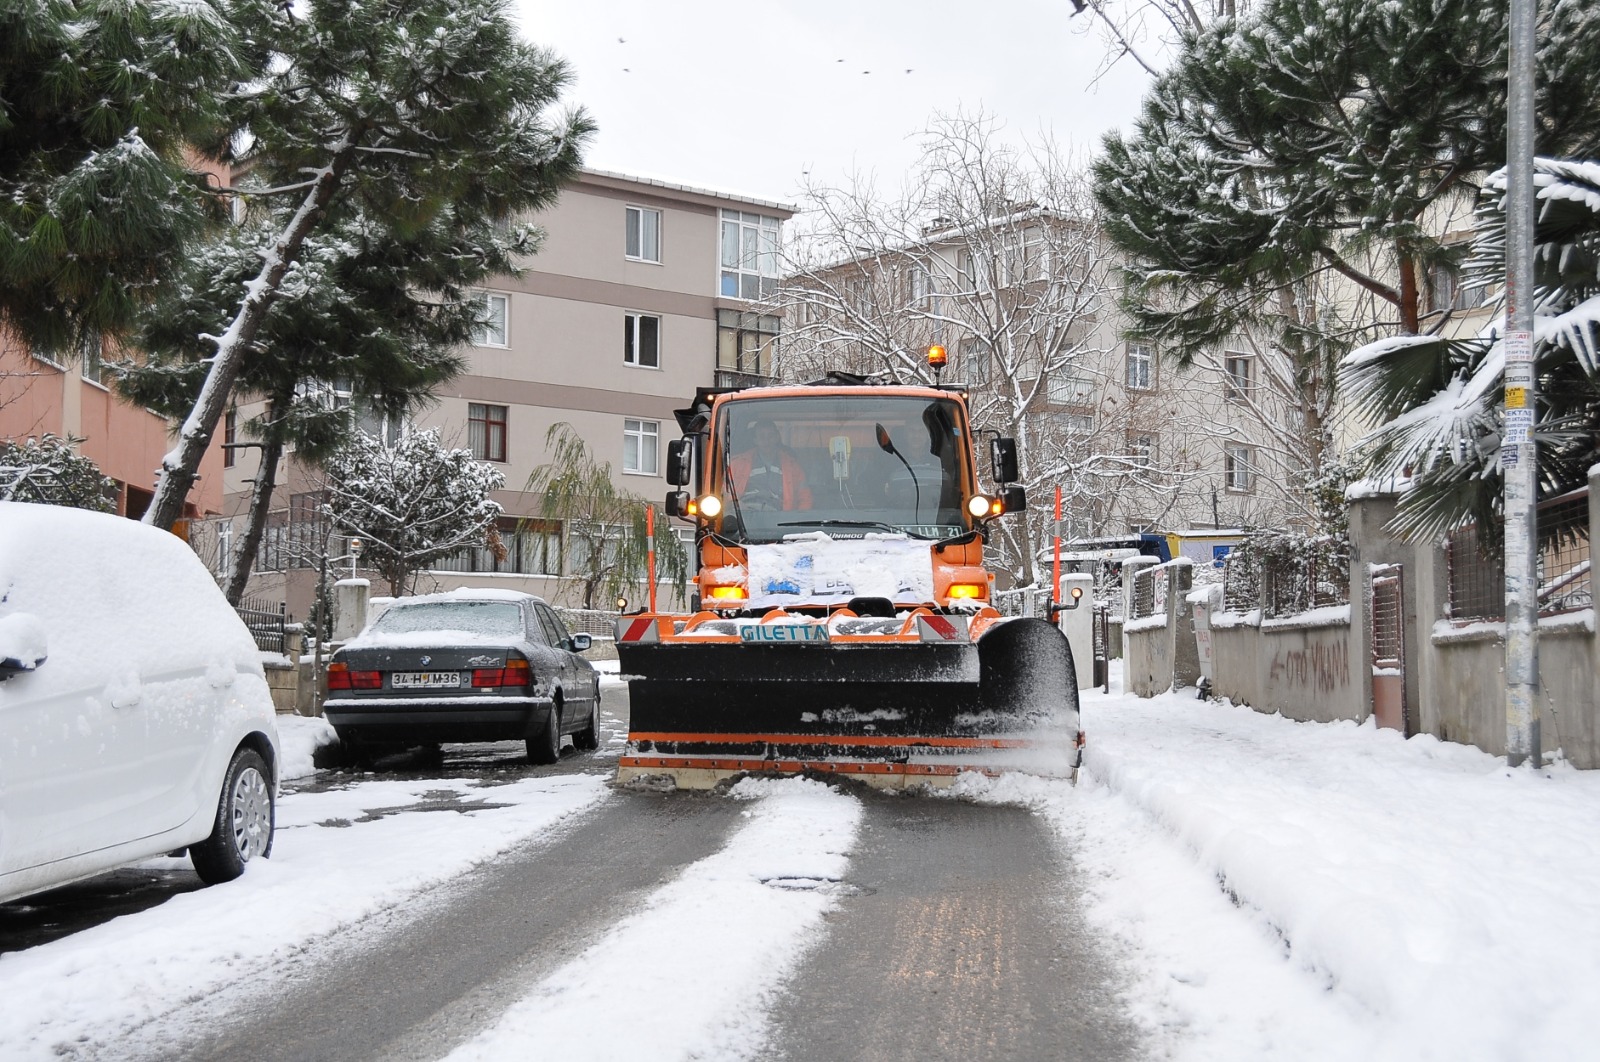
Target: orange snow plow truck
842, 621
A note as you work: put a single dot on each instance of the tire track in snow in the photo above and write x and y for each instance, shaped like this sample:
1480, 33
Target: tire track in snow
693, 973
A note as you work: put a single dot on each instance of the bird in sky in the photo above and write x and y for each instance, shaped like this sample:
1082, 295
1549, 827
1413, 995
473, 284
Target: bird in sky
622, 40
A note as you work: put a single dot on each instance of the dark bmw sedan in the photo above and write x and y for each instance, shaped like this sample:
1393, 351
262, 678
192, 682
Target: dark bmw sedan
468, 665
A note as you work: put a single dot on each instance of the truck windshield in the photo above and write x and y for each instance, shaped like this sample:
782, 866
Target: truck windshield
850, 465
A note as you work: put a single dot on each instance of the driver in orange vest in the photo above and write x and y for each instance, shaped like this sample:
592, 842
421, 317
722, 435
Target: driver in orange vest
769, 476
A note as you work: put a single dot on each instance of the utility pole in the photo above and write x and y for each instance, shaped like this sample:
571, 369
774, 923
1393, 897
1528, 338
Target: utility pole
1518, 456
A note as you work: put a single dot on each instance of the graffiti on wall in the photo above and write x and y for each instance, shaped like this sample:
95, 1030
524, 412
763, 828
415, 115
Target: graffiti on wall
1323, 666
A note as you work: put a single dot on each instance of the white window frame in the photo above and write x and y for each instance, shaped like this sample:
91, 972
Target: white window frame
632, 347
486, 334
1237, 386
1142, 449
638, 251
1068, 388
640, 432
1239, 468
756, 258
1143, 356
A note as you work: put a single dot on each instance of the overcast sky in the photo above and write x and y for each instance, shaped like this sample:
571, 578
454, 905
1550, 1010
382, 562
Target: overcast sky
747, 97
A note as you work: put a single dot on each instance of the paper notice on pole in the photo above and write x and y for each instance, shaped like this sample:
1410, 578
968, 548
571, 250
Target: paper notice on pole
1519, 423
1509, 454
1516, 397
1519, 346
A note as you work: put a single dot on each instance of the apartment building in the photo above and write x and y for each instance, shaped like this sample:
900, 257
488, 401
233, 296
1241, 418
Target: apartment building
1024, 302
641, 292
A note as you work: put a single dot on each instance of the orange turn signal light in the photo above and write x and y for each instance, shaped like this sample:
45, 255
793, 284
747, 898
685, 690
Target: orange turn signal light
967, 591
728, 593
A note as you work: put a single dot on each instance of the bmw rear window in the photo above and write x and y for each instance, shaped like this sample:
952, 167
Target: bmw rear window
498, 618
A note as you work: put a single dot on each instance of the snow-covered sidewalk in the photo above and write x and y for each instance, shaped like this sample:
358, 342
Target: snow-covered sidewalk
1333, 891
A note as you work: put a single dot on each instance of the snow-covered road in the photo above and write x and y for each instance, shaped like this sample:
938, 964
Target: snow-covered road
1265, 889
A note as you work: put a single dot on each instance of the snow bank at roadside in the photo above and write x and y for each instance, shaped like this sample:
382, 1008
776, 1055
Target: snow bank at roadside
1445, 903
692, 974
85, 989
299, 737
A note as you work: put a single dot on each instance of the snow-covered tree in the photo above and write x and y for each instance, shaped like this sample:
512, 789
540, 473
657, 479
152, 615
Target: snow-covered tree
1440, 399
411, 502
604, 527
97, 204
50, 471
368, 311
995, 253
1308, 144
426, 119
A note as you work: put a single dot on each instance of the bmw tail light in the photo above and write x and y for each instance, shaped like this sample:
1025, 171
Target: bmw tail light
366, 680
338, 675
515, 673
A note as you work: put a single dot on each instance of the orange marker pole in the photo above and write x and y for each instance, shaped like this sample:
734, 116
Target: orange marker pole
650, 552
1055, 587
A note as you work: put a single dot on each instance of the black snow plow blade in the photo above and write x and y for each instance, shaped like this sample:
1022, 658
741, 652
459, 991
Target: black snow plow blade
909, 701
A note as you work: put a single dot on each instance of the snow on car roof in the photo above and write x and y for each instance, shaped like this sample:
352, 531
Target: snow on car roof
467, 593
111, 591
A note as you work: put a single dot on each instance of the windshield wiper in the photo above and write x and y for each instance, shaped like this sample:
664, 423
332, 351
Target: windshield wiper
877, 525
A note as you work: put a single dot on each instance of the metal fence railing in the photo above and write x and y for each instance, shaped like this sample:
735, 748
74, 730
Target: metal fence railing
1241, 582
1302, 585
593, 621
1477, 577
268, 623
1565, 584
1149, 591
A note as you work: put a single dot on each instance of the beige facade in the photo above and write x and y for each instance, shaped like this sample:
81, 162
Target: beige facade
613, 325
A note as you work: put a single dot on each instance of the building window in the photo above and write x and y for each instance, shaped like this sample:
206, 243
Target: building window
1238, 470
1141, 365
641, 340
492, 330
640, 441
643, 242
749, 257
975, 361
1238, 373
1070, 389
746, 346
92, 368
1142, 450
527, 547
1446, 293
486, 431
230, 435
1077, 425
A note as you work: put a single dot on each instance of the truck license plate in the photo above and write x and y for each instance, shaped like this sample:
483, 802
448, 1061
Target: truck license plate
412, 680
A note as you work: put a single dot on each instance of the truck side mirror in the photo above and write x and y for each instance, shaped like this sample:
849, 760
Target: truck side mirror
677, 503
1014, 496
1003, 460
680, 457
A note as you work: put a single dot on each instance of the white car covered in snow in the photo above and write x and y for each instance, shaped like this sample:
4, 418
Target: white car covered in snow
135, 719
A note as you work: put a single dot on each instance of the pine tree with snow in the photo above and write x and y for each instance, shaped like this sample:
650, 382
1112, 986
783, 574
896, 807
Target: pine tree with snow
1311, 144
410, 503
1440, 399
418, 116
50, 471
97, 203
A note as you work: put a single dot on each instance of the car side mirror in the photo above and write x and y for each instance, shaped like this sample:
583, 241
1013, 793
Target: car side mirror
1003, 460
677, 503
22, 644
581, 642
1014, 496
680, 457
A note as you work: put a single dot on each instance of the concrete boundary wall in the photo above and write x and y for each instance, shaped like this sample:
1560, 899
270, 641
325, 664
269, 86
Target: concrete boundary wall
1320, 666
1160, 650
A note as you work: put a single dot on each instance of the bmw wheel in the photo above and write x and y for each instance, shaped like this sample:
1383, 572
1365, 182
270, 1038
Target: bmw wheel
588, 738
544, 748
244, 823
